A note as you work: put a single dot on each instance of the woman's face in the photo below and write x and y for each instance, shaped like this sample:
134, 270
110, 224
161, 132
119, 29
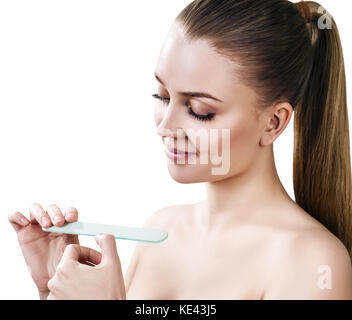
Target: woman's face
225, 120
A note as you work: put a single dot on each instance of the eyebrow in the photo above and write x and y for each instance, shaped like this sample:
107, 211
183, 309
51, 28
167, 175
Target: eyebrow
191, 94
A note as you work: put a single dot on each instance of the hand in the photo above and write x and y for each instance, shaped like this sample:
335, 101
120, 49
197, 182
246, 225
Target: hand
76, 281
43, 250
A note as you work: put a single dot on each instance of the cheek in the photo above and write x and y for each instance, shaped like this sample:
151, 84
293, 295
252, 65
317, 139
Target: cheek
242, 134
243, 137
243, 142
158, 114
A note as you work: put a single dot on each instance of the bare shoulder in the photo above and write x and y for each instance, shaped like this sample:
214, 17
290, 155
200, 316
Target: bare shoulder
313, 264
164, 218
168, 216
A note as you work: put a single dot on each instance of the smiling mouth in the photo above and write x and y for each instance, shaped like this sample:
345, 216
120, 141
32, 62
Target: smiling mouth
176, 154
180, 152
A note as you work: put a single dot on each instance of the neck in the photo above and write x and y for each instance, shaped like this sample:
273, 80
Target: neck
241, 198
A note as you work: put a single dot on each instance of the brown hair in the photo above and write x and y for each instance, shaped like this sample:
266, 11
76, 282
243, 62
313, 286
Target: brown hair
286, 56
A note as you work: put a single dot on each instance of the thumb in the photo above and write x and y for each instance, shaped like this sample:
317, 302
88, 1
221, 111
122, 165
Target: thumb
76, 252
107, 244
71, 252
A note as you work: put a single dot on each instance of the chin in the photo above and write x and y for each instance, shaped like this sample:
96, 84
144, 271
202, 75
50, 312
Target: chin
187, 173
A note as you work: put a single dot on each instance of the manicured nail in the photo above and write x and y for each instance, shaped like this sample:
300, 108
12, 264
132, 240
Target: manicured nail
44, 221
70, 215
24, 222
56, 219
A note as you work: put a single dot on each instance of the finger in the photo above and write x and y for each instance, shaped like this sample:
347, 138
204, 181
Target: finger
71, 214
74, 252
72, 238
107, 244
18, 220
38, 215
55, 215
51, 297
89, 255
88, 263
71, 252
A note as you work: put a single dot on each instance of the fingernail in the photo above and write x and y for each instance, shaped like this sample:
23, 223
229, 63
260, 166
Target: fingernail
70, 215
24, 221
97, 237
44, 221
56, 219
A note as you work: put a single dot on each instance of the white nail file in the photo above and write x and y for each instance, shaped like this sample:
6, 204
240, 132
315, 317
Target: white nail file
119, 232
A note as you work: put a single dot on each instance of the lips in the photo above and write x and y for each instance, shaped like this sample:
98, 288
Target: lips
180, 152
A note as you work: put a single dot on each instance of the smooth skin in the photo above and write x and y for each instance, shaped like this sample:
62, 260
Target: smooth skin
76, 281
42, 250
60, 267
248, 239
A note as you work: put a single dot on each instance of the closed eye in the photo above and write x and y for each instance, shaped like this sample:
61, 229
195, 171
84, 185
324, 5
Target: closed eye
202, 117
164, 100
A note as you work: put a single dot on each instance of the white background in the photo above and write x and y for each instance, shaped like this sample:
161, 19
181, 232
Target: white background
76, 117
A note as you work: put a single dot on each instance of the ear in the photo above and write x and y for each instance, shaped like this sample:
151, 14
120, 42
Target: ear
276, 120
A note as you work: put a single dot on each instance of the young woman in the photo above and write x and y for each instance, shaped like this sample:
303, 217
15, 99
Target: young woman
244, 66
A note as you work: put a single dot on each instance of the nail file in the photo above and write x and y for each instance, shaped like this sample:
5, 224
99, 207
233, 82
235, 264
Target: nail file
119, 232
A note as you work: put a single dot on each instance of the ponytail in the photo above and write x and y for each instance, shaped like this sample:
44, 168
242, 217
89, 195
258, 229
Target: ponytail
289, 52
322, 165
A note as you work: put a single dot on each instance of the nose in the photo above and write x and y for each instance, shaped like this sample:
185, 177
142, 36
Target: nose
171, 123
